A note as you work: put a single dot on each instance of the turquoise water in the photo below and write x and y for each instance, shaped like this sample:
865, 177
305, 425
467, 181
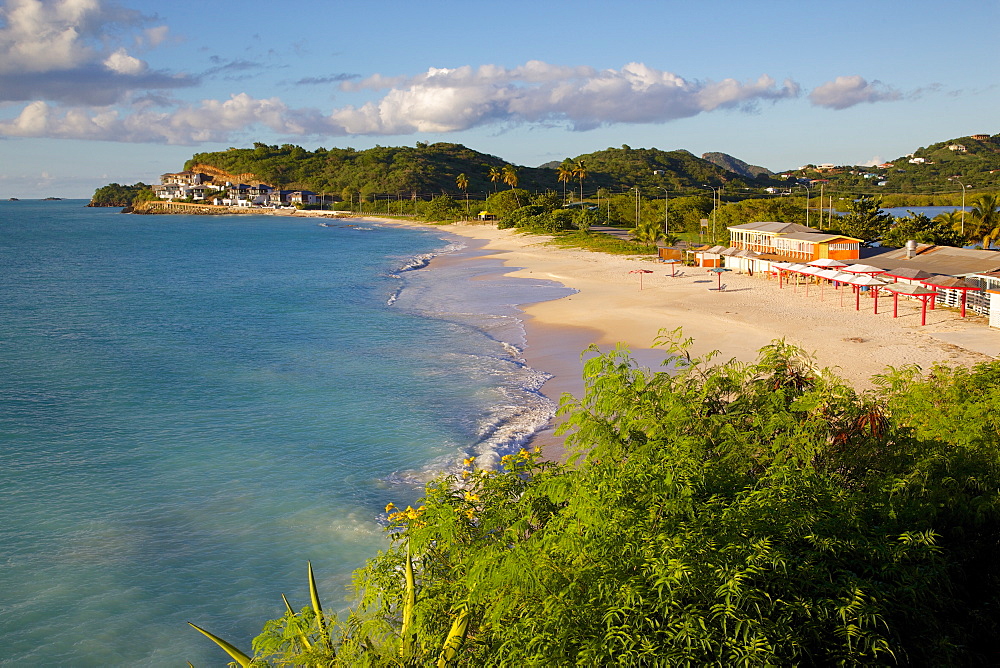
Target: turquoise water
192, 407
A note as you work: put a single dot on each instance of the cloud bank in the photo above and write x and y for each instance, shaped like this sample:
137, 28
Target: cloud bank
69, 62
65, 51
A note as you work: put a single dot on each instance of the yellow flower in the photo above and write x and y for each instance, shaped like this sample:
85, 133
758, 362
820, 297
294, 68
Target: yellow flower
465, 475
506, 459
538, 449
390, 507
470, 514
522, 453
469, 496
468, 461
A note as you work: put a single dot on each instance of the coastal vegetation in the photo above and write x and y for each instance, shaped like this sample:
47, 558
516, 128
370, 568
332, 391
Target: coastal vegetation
115, 194
937, 175
712, 514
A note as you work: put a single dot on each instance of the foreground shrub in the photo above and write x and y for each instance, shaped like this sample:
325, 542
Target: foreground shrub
713, 514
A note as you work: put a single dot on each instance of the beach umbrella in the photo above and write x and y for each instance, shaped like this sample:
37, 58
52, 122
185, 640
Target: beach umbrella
908, 273
809, 271
827, 263
865, 281
840, 278
920, 292
782, 267
718, 272
826, 275
862, 269
641, 272
797, 270
952, 283
673, 266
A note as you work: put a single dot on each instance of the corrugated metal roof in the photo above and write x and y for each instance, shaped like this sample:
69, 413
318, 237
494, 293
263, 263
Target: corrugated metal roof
772, 226
945, 260
816, 237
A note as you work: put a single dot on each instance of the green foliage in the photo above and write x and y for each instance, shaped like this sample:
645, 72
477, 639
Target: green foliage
985, 219
865, 220
783, 209
712, 515
115, 194
441, 209
503, 203
919, 227
686, 212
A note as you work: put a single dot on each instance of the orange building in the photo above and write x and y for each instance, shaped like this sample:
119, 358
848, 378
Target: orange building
791, 241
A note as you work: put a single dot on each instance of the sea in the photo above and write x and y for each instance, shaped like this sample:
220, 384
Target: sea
193, 407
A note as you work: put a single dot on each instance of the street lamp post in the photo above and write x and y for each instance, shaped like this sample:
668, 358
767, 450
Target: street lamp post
715, 192
807, 203
956, 179
666, 203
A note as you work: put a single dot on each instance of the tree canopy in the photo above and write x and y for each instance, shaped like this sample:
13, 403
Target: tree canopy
115, 194
865, 220
713, 514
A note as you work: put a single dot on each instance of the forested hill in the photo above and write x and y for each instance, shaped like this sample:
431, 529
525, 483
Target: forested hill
430, 169
736, 165
426, 169
651, 169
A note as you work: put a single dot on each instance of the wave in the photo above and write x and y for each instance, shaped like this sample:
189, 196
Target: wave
419, 262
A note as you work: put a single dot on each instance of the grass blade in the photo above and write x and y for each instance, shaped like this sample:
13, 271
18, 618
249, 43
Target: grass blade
231, 650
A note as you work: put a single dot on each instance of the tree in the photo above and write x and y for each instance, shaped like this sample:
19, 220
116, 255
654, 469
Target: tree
648, 232
564, 173
502, 203
462, 181
580, 172
115, 194
495, 175
712, 514
922, 229
784, 209
953, 219
985, 215
510, 178
441, 209
865, 220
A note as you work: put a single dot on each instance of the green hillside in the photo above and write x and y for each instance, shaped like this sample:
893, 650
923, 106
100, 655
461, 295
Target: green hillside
432, 169
935, 169
625, 167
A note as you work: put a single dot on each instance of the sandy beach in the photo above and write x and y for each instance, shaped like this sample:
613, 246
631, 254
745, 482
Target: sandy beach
750, 312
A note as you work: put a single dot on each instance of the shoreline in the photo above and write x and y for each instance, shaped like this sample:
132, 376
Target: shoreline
608, 307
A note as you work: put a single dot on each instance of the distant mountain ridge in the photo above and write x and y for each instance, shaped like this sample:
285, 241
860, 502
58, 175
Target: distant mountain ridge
737, 166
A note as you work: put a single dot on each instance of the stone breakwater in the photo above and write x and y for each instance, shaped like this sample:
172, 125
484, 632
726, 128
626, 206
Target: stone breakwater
159, 208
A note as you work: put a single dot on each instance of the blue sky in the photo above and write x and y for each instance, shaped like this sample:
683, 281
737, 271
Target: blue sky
93, 91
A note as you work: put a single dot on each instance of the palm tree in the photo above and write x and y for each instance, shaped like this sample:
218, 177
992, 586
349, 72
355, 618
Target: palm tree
495, 176
953, 219
565, 174
462, 181
580, 172
647, 232
510, 178
985, 215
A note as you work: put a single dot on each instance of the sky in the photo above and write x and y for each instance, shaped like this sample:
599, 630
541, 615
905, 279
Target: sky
94, 91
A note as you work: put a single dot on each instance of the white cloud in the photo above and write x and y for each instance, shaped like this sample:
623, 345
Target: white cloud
445, 100
122, 63
66, 51
210, 121
440, 100
844, 92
